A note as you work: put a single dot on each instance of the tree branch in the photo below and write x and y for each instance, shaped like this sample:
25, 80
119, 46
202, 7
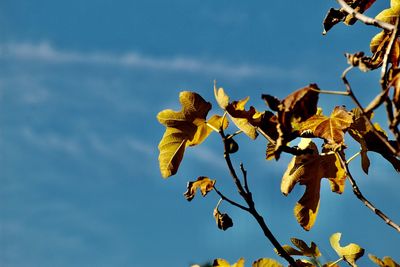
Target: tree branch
247, 196
223, 197
366, 20
360, 196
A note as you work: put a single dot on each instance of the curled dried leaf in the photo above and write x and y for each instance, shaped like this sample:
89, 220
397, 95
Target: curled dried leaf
203, 183
222, 219
350, 253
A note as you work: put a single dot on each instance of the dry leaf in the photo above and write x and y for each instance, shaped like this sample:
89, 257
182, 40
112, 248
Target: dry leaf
224, 263
385, 262
363, 133
350, 253
245, 120
222, 219
331, 129
308, 170
266, 263
203, 183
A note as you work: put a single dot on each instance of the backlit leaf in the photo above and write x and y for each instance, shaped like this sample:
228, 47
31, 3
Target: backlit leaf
350, 253
331, 129
309, 169
385, 262
244, 119
205, 185
266, 263
311, 251
186, 127
224, 263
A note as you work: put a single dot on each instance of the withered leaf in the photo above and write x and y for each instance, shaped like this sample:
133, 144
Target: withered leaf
369, 140
222, 219
244, 119
264, 262
203, 183
224, 263
331, 129
184, 128
311, 251
385, 262
350, 253
334, 16
308, 170
296, 107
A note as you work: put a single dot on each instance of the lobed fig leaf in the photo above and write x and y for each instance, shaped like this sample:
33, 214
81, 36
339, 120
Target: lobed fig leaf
385, 262
187, 127
203, 183
350, 253
309, 169
331, 129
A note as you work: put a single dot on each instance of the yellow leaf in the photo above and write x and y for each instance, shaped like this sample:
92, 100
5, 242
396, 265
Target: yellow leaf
311, 251
331, 129
386, 262
309, 169
242, 118
389, 15
224, 263
183, 128
266, 263
350, 253
205, 185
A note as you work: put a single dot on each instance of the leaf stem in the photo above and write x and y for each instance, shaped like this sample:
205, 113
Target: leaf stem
335, 262
353, 157
366, 20
327, 92
360, 196
212, 127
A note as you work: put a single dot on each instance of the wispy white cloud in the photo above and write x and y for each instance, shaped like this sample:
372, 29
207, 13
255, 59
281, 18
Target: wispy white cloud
45, 52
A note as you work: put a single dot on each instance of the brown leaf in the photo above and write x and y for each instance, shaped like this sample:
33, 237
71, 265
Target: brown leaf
385, 262
369, 140
331, 129
298, 107
203, 183
308, 170
222, 219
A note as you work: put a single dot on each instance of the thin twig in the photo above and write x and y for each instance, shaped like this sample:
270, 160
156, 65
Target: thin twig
365, 19
364, 114
252, 210
230, 201
330, 92
246, 185
388, 51
265, 135
360, 196
353, 157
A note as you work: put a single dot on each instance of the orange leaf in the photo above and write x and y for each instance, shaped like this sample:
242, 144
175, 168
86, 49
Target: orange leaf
205, 185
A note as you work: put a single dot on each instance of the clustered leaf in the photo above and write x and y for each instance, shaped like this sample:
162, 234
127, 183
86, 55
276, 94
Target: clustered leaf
264, 262
184, 128
309, 169
335, 16
245, 120
203, 183
350, 253
295, 108
369, 140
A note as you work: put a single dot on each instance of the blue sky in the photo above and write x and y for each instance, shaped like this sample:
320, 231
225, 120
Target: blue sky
80, 85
